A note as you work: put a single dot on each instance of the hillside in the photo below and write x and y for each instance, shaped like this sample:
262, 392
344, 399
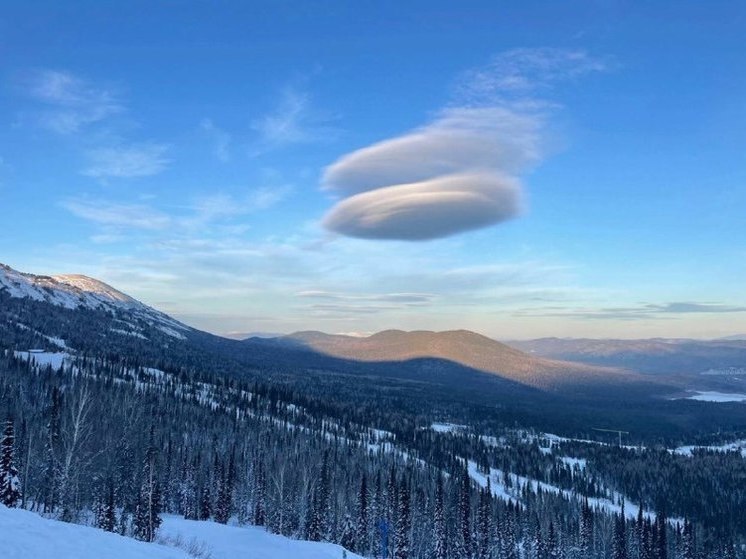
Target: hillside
463, 347
27, 535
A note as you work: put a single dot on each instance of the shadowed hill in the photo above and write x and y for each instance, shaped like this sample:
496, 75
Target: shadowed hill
463, 347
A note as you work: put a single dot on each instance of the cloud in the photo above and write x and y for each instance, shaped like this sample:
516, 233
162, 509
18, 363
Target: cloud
525, 70
413, 299
429, 209
118, 216
679, 308
461, 171
134, 160
218, 206
74, 103
220, 138
640, 312
485, 138
293, 121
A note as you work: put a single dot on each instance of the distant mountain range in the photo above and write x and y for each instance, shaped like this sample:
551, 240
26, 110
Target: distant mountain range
652, 356
541, 381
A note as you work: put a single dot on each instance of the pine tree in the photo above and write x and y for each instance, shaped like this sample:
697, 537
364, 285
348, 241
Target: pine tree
620, 536
553, 550
439, 524
689, 550
224, 500
260, 494
347, 539
188, 493
538, 550
586, 530
106, 513
205, 502
464, 550
484, 522
661, 537
147, 513
10, 484
361, 530
403, 524
51, 457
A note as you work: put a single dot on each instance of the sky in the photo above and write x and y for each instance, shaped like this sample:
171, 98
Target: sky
522, 169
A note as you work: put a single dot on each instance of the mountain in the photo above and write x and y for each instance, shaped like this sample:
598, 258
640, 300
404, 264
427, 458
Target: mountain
456, 372
461, 347
652, 356
74, 291
735, 337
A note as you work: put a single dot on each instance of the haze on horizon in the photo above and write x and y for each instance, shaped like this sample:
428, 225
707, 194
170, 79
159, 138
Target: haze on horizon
372, 167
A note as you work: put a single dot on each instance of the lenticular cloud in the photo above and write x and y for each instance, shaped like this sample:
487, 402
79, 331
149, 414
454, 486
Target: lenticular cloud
453, 175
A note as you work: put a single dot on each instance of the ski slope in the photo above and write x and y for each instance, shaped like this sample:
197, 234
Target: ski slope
27, 535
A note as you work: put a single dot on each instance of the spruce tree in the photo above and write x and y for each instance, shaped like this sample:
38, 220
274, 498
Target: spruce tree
403, 524
347, 539
586, 530
147, 513
464, 550
439, 523
106, 513
484, 523
10, 484
620, 537
51, 457
361, 530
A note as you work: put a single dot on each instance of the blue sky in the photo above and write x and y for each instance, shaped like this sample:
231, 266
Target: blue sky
520, 169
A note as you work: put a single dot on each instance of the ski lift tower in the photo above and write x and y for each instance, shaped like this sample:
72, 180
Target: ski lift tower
617, 431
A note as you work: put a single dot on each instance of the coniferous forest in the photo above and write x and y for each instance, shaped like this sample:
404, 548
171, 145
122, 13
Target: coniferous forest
116, 443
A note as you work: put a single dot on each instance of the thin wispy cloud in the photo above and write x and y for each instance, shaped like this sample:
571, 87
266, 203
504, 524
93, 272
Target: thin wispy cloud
295, 120
221, 140
640, 312
115, 216
217, 213
72, 102
462, 170
524, 71
134, 160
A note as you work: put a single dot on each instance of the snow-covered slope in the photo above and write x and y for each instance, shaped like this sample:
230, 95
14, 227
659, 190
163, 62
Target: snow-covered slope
26, 535
229, 542
73, 291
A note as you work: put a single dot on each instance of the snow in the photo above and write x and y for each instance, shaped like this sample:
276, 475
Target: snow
736, 446
717, 397
27, 535
76, 291
499, 489
446, 427
43, 358
573, 462
128, 333
229, 542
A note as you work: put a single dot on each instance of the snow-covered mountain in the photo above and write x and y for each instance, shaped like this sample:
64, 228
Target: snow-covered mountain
74, 291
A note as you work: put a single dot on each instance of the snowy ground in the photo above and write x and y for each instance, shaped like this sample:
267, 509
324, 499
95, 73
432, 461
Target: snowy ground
717, 397
736, 446
27, 535
229, 542
44, 358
